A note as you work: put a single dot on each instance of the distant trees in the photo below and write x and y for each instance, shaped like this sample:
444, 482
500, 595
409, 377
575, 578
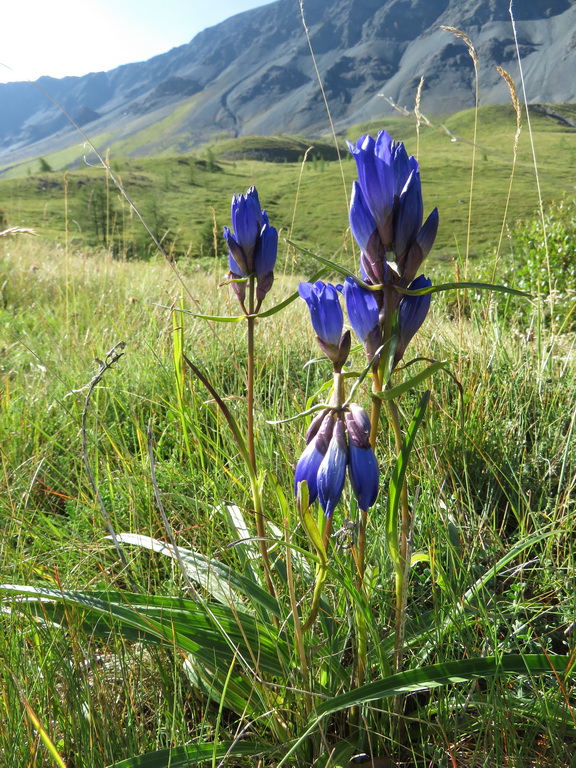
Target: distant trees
45, 166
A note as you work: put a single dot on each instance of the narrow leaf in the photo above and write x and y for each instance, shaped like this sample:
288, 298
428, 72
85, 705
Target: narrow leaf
462, 286
182, 757
399, 389
397, 479
449, 673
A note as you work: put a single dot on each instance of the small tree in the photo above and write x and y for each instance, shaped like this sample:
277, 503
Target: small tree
45, 166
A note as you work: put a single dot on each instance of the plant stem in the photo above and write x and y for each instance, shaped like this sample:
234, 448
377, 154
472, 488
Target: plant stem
376, 408
257, 496
361, 632
406, 524
298, 634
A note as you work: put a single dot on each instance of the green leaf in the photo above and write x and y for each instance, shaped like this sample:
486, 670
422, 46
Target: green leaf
418, 292
308, 412
278, 307
221, 581
210, 632
267, 313
449, 673
462, 286
435, 676
322, 260
191, 754
397, 480
399, 389
213, 318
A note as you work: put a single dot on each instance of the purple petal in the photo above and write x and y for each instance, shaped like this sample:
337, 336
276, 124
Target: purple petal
408, 219
247, 222
325, 310
266, 250
362, 222
236, 257
376, 174
427, 234
413, 311
364, 475
309, 463
362, 308
307, 469
332, 471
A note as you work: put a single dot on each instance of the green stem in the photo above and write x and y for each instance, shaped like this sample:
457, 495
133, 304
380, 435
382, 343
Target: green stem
405, 527
361, 631
298, 633
376, 408
257, 496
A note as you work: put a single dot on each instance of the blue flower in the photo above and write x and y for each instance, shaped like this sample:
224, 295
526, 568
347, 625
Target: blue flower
327, 320
362, 221
375, 164
333, 446
362, 463
408, 216
246, 216
364, 314
386, 211
325, 310
332, 471
309, 462
364, 475
362, 308
252, 246
412, 313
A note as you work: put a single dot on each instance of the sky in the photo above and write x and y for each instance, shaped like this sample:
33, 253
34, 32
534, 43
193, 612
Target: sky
74, 37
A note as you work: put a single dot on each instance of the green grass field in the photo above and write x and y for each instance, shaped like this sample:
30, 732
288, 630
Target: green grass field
492, 579
180, 194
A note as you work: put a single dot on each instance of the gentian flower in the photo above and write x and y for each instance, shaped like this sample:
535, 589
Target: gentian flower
411, 314
318, 439
364, 315
362, 463
386, 211
252, 246
327, 320
332, 470
335, 445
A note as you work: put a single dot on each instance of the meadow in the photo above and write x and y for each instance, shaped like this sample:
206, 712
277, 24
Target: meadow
114, 673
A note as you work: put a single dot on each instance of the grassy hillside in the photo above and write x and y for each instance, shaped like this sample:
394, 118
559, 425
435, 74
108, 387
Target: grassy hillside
179, 194
207, 656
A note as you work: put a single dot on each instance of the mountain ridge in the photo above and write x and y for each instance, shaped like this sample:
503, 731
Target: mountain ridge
253, 73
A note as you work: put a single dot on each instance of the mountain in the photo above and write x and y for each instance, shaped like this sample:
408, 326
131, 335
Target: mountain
253, 74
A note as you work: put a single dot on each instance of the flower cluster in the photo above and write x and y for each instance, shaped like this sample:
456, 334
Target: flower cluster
338, 440
386, 218
339, 437
386, 215
252, 246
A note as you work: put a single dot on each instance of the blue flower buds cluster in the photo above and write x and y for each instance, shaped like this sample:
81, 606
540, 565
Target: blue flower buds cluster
252, 246
327, 320
386, 215
336, 442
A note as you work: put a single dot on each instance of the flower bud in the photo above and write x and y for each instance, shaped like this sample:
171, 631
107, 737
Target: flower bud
332, 471
309, 462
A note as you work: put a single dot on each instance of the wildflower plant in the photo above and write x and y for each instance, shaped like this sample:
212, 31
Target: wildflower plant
282, 633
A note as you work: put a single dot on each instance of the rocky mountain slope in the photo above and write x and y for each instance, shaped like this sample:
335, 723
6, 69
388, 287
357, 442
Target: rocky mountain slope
253, 74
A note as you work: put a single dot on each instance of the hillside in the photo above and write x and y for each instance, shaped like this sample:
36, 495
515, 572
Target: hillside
253, 75
180, 195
